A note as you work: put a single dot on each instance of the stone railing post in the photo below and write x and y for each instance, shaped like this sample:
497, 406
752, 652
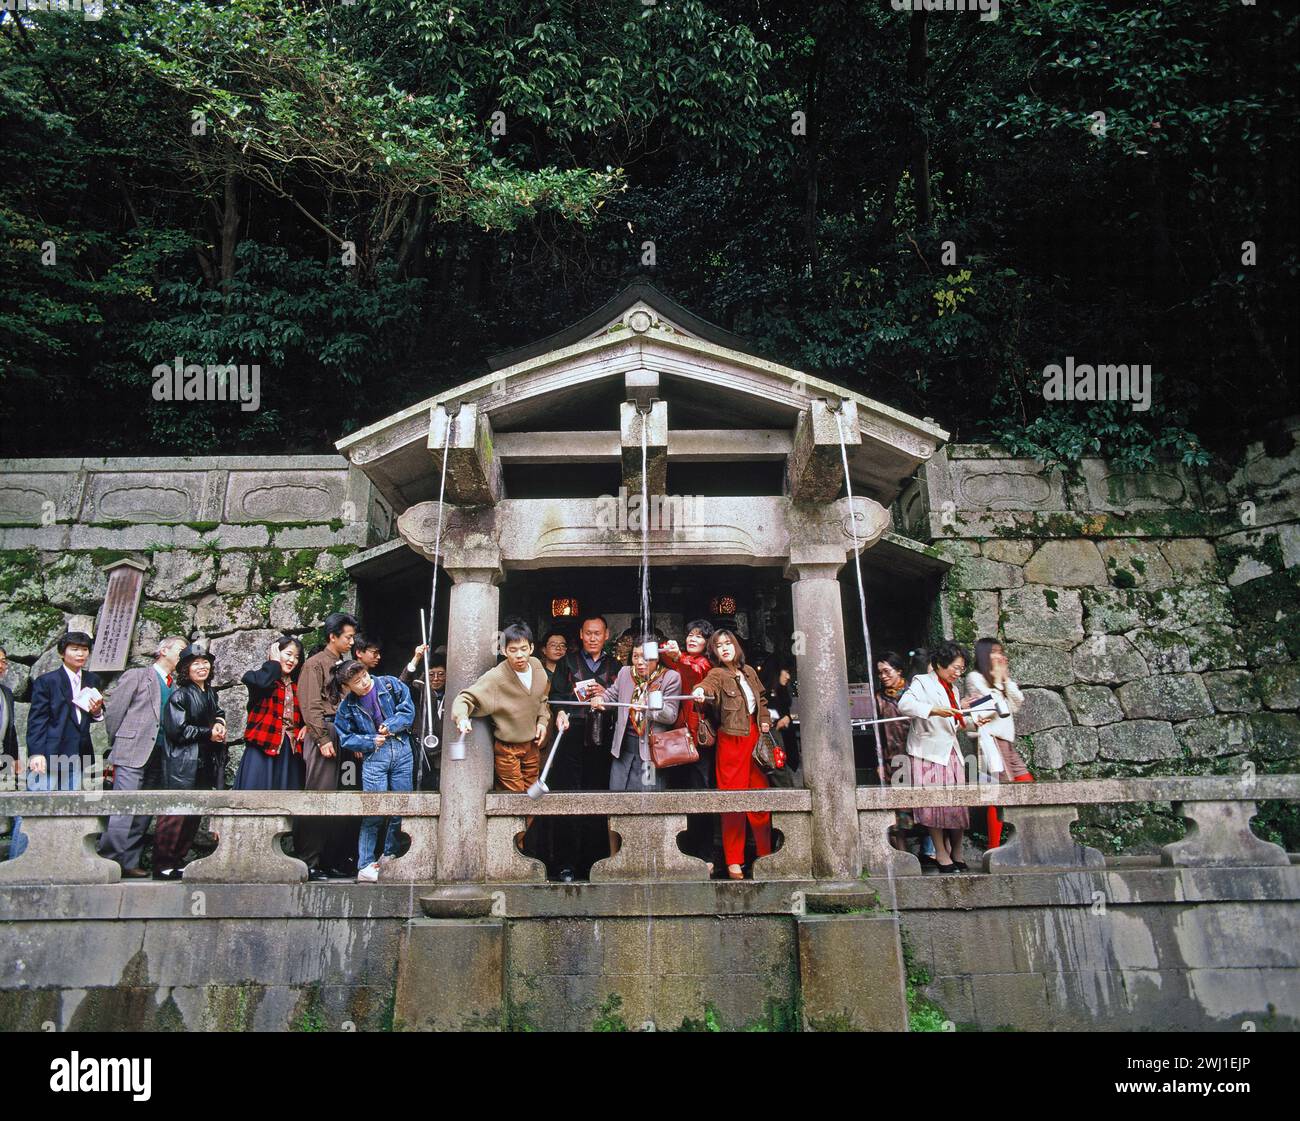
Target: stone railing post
825, 729
1219, 835
248, 852
61, 850
462, 821
648, 850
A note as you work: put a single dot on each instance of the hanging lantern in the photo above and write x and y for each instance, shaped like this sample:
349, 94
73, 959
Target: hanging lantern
562, 608
723, 605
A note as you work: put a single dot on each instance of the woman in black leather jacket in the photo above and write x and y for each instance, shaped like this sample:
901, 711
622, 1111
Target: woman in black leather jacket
194, 754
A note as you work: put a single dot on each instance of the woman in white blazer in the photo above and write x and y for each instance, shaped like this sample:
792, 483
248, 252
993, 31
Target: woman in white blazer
932, 742
997, 738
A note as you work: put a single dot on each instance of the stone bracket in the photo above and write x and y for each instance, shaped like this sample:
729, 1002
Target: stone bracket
474, 476
878, 855
61, 850
505, 863
649, 851
1219, 835
793, 860
248, 852
1042, 840
815, 469
630, 422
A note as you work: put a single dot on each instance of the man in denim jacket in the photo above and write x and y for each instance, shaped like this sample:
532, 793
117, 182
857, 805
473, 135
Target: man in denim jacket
374, 717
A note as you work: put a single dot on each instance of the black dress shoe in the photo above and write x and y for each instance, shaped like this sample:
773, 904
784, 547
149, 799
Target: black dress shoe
168, 874
927, 861
946, 869
317, 875
134, 873
961, 866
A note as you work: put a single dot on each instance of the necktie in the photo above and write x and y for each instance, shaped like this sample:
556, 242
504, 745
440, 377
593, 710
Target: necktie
169, 681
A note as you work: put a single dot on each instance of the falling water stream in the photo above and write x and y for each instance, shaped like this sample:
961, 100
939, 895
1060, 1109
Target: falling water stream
871, 662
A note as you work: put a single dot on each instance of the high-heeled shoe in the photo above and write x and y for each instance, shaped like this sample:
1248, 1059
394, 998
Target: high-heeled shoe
735, 872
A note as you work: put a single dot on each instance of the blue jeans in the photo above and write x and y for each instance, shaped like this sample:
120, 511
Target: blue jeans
62, 772
385, 768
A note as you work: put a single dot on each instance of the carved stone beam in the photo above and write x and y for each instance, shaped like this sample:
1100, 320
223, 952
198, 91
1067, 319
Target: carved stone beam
815, 469
655, 422
473, 470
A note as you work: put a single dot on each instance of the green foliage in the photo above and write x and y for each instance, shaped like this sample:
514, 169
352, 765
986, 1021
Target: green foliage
609, 1016
922, 1013
188, 180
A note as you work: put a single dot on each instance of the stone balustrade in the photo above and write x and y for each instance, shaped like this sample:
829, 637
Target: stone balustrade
1217, 809
62, 828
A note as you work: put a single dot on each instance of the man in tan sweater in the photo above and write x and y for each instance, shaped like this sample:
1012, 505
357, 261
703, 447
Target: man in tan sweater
513, 694
324, 842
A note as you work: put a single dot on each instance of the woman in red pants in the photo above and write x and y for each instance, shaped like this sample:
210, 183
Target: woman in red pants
738, 703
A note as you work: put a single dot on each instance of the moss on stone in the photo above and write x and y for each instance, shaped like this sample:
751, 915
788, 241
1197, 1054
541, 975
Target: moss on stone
17, 567
171, 618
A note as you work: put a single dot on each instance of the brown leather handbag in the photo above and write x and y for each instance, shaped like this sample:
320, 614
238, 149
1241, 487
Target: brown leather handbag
673, 748
705, 734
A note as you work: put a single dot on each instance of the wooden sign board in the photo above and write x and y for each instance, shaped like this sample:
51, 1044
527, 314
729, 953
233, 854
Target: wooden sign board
115, 625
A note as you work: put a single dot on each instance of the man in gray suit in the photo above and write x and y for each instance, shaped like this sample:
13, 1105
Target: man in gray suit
134, 716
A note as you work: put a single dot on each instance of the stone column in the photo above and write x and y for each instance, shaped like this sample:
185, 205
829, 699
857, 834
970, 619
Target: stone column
471, 633
826, 734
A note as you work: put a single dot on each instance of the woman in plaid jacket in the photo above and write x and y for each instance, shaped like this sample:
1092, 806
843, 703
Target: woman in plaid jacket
273, 735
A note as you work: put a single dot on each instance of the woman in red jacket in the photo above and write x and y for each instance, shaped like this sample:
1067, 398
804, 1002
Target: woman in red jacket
738, 702
691, 667
273, 736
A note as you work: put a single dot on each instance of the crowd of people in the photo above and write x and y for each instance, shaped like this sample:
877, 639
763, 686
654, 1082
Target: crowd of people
637, 714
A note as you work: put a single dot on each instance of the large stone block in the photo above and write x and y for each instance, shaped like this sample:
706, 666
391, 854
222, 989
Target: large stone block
1279, 685
1138, 741
1093, 705
219, 615
1212, 736
1107, 659
1055, 748
287, 496
234, 703
1043, 616
1232, 690
1276, 735
1135, 563
181, 574
1171, 696
237, 653
285, 614
451, 976
75, 583
1047, 666
1008, 552
27, 630
851, 973
235, 574
1214, 646
1113, 610
1191, 559
1176, 608
1042, 709
1066, 564
982, 572
1164, 651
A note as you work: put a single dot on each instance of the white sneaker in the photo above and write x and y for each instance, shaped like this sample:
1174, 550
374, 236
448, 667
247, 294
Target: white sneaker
369, 874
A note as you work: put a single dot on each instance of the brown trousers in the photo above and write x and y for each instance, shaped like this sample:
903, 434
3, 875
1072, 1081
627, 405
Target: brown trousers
517, 765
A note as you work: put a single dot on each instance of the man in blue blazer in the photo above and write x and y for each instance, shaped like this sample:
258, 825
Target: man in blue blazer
58, 731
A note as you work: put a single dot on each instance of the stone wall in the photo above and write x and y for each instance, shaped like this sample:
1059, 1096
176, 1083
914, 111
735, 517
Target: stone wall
1149, 617
239, 549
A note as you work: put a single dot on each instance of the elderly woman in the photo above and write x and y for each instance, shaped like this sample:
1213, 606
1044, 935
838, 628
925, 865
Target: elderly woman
632, 769
934, 750
194, 754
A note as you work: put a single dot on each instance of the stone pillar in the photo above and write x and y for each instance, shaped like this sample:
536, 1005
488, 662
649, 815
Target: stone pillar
825, 731
471, 634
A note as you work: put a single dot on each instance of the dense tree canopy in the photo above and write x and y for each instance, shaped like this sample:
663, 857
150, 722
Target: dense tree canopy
368, 199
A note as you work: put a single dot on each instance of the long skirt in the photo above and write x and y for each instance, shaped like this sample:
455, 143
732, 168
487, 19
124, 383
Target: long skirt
952, 773
259, 771
738, 771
